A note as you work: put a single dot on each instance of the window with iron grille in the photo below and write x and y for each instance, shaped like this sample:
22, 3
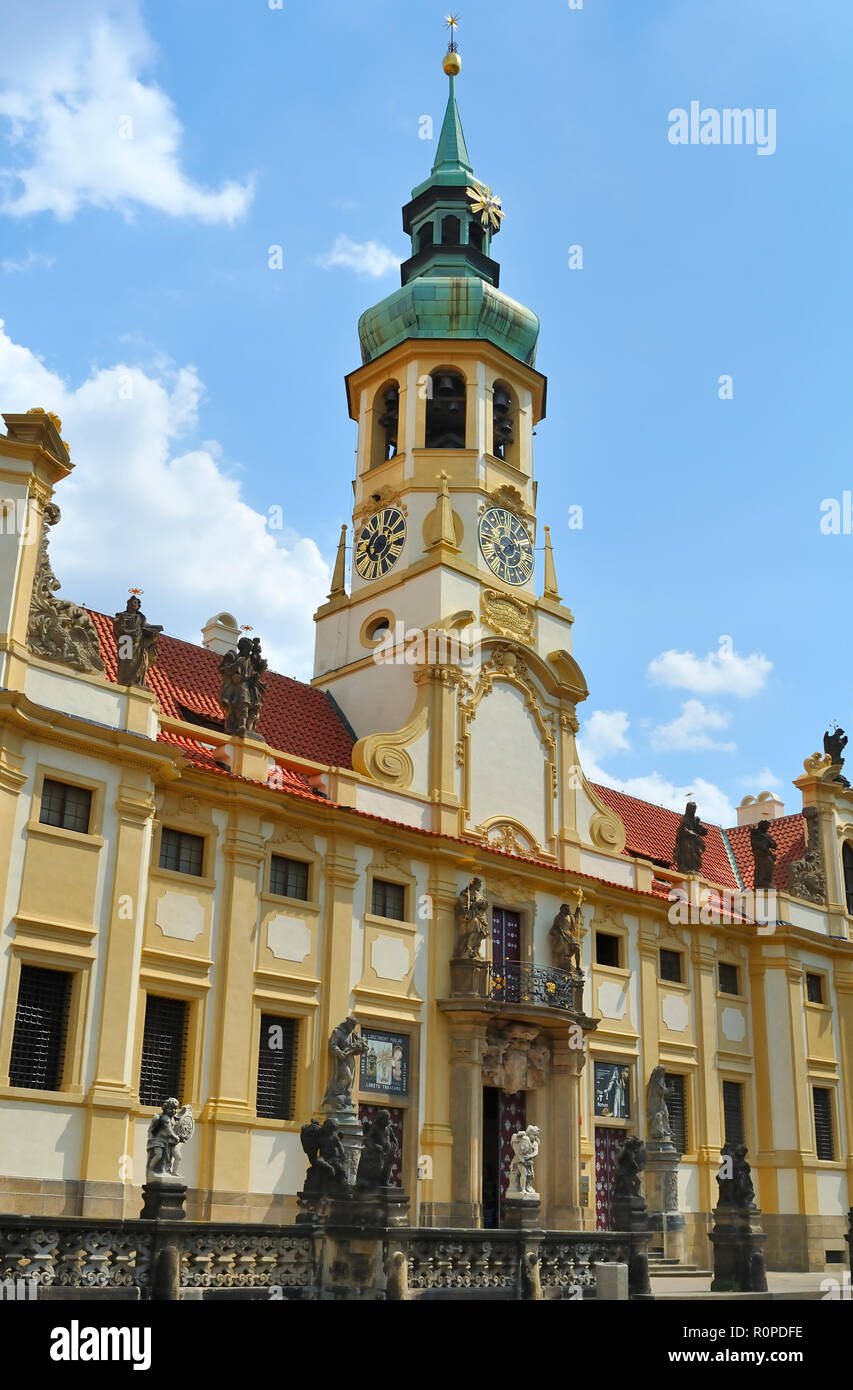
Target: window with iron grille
41, 1023
733, 1112
389, 900
824, 1129
814, 988
164, 1043
289, 877
181, 852
676, 1104
670, 966
607, 949
729, 983
64, 805
277, 1068
847, 862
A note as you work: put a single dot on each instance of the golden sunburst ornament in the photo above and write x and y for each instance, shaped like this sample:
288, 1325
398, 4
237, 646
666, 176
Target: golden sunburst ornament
486, 205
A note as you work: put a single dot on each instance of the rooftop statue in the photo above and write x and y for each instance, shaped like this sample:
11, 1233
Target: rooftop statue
689, 841
136, 643
763, 854
243, 689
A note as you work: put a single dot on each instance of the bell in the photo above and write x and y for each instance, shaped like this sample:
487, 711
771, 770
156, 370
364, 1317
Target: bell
446, 385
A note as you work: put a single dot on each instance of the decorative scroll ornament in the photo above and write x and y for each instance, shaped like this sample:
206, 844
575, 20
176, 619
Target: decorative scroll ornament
807, 876
376, 501
517, 1057
510, 499
58, 629
507, 616
383, 756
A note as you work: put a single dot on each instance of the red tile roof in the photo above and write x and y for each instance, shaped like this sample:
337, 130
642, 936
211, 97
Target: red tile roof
296, 718
651, 831
789, 832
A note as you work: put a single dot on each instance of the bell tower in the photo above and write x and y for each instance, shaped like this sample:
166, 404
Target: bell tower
445, 535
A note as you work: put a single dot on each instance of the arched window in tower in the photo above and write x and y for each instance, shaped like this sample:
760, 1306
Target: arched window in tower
475, 235
450, 231
847, 861
504, 411
445, 411
426, 236
386, 417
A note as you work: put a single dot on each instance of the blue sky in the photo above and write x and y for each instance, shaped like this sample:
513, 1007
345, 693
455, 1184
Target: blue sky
199, 388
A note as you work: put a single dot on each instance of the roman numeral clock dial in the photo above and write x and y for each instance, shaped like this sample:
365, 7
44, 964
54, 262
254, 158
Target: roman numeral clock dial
379, 543
506, 546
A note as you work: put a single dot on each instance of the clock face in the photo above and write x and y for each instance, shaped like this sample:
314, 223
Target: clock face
506, 546
380, 542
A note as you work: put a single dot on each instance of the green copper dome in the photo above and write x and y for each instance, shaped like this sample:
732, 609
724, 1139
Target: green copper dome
450, 281
459, 306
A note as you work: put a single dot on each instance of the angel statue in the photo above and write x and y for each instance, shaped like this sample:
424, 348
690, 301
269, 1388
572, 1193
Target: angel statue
167, 1134
472, 929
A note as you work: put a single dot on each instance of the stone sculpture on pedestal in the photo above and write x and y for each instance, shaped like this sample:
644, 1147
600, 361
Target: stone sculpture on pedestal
565, 946
136, 643
737, 1237
345, 1044
327, 1175
164, 1189
243, 689
525, 1149
472, 927
662, 1159
378, 1153
689, 841
763, 854
657, 1111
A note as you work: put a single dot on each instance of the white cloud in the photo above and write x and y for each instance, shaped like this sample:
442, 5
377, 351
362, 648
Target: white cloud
713, 804
602, 733
137, 511
723, 672
365, 257
83, 125
31, 261
762, 781
690, 729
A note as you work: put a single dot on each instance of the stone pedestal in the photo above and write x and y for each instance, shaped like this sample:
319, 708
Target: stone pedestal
469, 977
163, 1199
522, 1213
665, 1223
375, 1208
737, 1240
630, 1214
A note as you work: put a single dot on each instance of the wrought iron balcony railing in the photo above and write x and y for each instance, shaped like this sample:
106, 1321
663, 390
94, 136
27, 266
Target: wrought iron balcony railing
518, 983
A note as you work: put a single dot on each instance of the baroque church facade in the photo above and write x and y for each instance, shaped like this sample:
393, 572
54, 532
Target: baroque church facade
177, 896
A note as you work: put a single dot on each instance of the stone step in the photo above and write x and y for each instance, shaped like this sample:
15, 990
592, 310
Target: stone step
679, 1272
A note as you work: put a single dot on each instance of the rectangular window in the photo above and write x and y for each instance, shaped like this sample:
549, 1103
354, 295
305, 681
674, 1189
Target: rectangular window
41, 1023
164, 1043
670, 966
814, 988
66, 806
733, 1112
607, 949
728, 978
677, 1106
824, 1131
289, 877
389, 900
276, 1099
181, 852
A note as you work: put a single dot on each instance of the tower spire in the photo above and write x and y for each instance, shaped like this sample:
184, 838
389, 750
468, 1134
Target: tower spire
451, 156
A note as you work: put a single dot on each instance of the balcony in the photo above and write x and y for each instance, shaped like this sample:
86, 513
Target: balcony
518, 983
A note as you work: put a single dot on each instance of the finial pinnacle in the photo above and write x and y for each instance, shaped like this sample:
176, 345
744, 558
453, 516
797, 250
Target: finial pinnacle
452, 62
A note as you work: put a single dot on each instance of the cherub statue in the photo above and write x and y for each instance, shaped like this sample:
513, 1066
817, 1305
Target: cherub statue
565, 947
345, 1044
378, 1152
689, 841
324, 1148
657, 1111
167, 1134
472, 928
525, 1148
630, 1162
243, 689
136, 643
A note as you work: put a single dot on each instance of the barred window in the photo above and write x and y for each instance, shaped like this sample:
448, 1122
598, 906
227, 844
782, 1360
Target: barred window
277, 1068
670, 966
41, 1024
164, 1043
824, 1129
181, 852
814, 988
847, 863
289, 877
677, 1106
389, 900
66, 806
733, 1112
729, 982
